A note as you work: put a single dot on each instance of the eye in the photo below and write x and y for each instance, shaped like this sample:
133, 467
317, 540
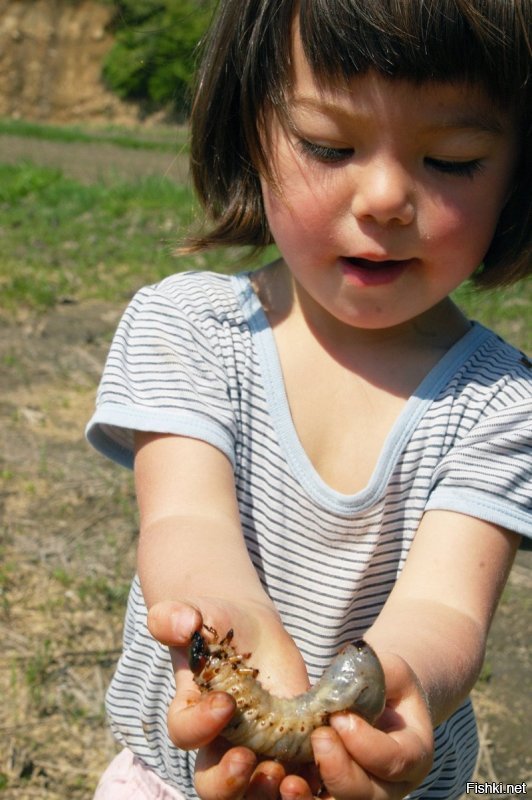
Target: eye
459, 168
321, 152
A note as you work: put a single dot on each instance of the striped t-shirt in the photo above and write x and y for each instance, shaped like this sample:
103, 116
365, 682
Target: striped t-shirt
195, 356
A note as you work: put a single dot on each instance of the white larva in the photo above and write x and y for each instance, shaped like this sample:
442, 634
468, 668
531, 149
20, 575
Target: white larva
280, 727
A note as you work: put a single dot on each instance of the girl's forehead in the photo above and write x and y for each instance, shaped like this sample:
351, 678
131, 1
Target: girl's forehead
456, 102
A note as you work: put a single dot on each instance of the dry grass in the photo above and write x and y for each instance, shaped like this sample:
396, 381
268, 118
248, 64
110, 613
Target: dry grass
67, 546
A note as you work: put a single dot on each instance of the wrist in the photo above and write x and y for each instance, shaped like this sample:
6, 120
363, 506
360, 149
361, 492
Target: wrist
443, 651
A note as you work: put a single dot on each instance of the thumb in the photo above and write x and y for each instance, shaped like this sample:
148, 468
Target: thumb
172, 622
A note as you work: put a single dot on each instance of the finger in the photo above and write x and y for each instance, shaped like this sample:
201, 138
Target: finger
295, 787
403, 755
226, 777
265, 781
342, 776
193, 723
173, 622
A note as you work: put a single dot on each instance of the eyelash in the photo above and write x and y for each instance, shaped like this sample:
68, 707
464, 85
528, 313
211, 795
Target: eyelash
460, 168
335, 155
321, 152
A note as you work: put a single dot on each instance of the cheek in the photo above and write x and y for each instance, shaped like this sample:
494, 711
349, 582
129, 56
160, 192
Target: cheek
276, 212
299, 217
468, 224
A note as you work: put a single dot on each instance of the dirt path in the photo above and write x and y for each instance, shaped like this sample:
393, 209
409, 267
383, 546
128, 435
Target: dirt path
67, 542
90, 162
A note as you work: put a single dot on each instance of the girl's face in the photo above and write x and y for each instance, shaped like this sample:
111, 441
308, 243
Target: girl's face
387, 193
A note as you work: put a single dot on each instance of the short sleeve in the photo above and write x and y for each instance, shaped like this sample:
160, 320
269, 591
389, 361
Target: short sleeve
488, 473
164, 374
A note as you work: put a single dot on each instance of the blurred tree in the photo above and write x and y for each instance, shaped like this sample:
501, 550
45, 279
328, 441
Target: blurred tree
154, 52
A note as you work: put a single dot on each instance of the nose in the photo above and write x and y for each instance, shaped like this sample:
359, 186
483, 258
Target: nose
384, 194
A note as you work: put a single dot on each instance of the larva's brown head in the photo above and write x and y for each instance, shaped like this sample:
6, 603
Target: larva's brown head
198, 653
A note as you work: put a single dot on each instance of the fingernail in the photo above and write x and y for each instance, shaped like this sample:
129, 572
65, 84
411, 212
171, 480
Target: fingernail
240, 767
322, 744
219, 706
343, 723
183, 623
264, 784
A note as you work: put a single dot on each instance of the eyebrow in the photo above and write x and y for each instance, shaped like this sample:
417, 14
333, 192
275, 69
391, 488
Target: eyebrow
469, 120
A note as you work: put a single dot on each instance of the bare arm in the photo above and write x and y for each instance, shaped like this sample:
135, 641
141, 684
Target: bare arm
191, 541
431, 637
194, 566
192, 548
439, 612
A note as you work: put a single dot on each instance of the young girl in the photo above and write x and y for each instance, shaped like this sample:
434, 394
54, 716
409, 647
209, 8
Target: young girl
326, 448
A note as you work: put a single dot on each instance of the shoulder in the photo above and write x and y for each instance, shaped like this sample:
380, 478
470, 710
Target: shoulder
188, 309
493, 373
484, 386
484, 414
197, 295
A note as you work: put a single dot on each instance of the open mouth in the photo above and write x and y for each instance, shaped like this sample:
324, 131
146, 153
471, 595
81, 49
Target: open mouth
365, 272
366, 263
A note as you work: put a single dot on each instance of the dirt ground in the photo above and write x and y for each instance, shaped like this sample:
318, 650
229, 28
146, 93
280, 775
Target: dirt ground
67, 541
89, 162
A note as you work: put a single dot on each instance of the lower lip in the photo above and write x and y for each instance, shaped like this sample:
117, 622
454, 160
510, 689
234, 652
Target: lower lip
373, 273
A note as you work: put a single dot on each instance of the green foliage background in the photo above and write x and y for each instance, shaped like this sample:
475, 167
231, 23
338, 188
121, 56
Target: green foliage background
155, 49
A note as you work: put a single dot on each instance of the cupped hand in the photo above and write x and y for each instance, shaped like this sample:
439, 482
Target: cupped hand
196, 721
356, 761
360, 762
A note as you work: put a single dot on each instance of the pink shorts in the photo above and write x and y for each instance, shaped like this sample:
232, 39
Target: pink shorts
127, 778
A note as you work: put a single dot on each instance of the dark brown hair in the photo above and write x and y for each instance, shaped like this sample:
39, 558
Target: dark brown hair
246, 69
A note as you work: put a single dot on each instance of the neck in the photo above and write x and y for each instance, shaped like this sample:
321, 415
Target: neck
437, 329
397, 357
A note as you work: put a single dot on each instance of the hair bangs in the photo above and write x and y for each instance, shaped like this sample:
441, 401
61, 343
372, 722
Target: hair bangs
421, 40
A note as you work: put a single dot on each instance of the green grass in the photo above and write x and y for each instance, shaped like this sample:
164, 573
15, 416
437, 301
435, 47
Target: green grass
507, 310
161, 139
63, 240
